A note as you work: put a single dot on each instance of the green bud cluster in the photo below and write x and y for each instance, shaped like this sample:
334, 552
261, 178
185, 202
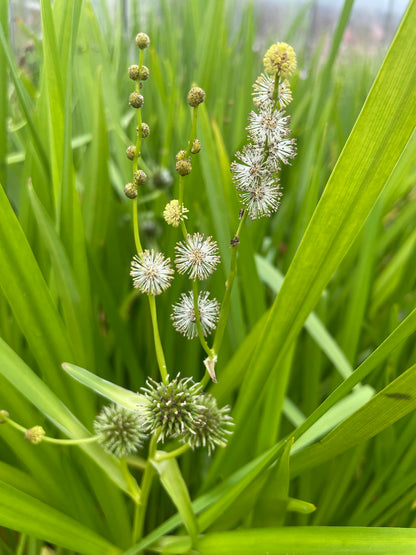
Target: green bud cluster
196, 96
136, 100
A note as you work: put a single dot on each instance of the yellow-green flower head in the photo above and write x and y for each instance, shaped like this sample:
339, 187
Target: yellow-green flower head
184, 167
280, 58
130, 191
196, 96
136, 100
145, 130
142, 40
143, 73
130, 152
140, 178
174, 213
134, 72
35, 435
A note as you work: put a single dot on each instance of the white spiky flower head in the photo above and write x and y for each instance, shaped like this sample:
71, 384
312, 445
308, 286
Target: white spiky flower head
197, 256
251, 167
283, 150
151, 272
263, 92
268, 125
183, 315
261, 200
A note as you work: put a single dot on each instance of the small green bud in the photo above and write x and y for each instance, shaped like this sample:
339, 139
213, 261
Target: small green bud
184, 167
196, 147
196, 96
130, 191
134, 72
142, 40
181, 155
145, 130
6, 414
35, 435
130, 152
140, 178
136, 100
144, 73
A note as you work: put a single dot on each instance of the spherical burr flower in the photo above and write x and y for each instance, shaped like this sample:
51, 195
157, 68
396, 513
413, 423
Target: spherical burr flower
183, 315
269, 125
214, 425
171, 409
151, 272
174, 214
251, 167
261, 200
197, 256
280, 58
120, 430
263, 92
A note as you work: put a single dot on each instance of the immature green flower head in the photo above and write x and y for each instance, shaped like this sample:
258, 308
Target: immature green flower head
130, 152
140, 178
196, 96
145, 130
142, 40
35, 435
130, 191
280, 58
172, 409
134, 72
144, 73
196, 147
184, 167
213, 424
136, 100
121, 430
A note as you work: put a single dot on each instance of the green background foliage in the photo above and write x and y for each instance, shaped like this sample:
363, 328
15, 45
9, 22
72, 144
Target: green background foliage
318, 361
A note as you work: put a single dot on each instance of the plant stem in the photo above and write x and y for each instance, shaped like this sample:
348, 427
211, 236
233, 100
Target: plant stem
158, 344
145, 491
161, 456
226, 302
193, 130
201, 337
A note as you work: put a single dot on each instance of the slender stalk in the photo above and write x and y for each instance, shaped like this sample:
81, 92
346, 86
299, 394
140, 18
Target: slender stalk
201, 337
226, 302
146, 485
193, 130
158, 344
134, 489
161, 456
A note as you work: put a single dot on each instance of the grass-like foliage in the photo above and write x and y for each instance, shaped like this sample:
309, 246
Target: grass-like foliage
193, 359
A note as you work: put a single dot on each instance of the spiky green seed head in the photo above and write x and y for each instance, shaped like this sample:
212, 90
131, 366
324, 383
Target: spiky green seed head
140, 178
144, 73
130, 191
213, 425
171, 407
184, 167
142, 40
136, 100
130, 152
196, 96
196, 147
35, 435
134, 72
121, 430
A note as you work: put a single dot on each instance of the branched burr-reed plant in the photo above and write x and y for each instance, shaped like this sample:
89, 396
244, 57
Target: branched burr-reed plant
175, 410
